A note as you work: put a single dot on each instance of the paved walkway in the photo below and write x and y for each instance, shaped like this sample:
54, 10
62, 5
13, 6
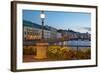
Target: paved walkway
30, 58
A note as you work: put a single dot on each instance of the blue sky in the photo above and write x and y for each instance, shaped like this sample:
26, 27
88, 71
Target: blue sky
80, 22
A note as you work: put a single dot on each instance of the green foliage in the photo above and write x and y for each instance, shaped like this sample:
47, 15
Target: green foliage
81, 54
60, 53
57, 52
65, 53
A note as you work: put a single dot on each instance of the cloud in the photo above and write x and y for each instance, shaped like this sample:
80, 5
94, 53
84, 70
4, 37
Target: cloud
83, 29
87, 28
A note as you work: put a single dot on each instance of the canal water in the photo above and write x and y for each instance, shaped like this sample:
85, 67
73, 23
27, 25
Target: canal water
78, 44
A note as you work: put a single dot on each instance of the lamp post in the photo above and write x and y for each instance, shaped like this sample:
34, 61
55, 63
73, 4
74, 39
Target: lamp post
41, 45
42, 16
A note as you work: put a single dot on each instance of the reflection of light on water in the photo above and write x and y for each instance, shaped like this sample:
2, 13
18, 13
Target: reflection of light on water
80, 48
79, 42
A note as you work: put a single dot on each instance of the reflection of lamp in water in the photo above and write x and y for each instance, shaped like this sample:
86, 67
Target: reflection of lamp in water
42, 16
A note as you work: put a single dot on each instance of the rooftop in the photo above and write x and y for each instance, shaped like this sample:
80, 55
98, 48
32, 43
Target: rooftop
31, 24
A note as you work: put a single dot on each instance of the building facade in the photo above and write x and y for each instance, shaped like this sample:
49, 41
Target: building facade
33, 31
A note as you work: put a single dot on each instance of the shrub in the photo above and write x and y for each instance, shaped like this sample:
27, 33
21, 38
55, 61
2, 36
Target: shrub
81, 54
29, 50
57, 52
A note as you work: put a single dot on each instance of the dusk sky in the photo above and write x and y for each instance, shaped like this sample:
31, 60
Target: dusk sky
80, 22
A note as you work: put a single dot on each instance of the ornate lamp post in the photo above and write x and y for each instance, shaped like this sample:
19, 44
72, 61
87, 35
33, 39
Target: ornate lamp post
42, 16
42, 44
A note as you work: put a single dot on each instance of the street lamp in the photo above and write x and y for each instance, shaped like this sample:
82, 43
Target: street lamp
41, 52
42, 16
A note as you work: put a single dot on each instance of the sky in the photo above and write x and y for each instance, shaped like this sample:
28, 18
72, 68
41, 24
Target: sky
80, 22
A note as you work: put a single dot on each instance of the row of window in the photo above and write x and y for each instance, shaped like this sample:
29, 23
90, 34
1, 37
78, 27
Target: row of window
31, 33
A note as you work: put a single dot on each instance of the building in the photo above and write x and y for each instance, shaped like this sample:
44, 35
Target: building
59, 35
31, 30
70, 34
53, 32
